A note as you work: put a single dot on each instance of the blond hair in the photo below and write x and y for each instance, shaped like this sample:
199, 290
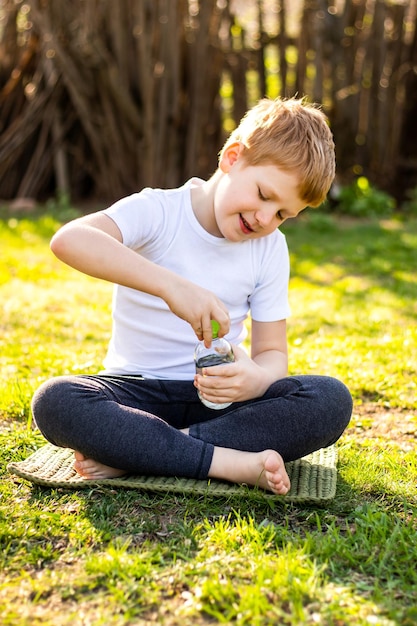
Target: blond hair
293, 135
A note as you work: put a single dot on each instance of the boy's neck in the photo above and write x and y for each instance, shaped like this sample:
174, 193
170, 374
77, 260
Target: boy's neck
203, 205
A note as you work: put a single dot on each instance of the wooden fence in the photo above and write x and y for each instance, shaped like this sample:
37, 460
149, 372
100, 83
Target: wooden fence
99, 98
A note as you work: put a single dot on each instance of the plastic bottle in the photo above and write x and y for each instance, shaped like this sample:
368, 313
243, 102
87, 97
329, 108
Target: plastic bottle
220, 352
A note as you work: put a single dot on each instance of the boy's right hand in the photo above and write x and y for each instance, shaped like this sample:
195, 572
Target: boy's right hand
198, 306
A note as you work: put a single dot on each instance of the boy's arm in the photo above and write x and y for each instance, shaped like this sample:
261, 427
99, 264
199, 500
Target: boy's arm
269, 349
93, 245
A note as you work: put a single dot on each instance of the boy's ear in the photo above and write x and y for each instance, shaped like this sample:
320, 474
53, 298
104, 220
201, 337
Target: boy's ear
230, 155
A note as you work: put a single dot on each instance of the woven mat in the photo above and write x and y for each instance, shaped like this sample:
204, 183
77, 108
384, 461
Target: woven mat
313, 477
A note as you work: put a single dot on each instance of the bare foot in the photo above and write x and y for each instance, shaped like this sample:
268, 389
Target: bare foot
262, 469
93, 470
275, 476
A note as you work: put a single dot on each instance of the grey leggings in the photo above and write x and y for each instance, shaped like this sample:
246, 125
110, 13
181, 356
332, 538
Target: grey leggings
133, 424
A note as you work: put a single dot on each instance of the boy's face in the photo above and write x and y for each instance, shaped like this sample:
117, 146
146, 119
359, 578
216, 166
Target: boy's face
251, 201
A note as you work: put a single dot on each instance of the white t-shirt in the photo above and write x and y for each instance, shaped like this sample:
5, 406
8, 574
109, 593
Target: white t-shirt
252, 275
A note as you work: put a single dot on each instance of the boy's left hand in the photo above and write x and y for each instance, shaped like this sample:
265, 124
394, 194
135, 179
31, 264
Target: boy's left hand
234, 382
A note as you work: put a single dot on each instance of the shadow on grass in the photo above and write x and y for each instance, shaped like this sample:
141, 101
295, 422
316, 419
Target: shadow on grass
360, 541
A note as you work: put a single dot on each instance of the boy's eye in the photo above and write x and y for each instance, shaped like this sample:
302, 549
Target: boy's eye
265, 199
261, 195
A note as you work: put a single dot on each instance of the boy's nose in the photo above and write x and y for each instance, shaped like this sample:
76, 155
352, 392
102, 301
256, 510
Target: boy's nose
264, 218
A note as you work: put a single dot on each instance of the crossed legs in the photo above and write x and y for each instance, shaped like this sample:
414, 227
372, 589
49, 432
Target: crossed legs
264, 469
121, 425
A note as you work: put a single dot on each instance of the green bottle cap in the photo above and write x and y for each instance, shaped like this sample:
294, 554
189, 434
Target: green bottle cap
215, 327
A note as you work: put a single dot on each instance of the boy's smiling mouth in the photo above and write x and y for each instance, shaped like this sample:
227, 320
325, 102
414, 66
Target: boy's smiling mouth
244, 225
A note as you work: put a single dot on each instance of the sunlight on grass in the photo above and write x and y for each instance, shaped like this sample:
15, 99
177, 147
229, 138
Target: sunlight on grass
353, 313
54, 320
379, 468
120, 557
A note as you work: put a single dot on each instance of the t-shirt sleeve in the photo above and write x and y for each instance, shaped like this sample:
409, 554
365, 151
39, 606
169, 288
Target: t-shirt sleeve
140, 217
269, 300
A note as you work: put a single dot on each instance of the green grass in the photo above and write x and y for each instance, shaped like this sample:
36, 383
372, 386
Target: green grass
108, 557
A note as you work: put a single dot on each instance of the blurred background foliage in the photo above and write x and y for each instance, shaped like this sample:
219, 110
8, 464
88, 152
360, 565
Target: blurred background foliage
100, 98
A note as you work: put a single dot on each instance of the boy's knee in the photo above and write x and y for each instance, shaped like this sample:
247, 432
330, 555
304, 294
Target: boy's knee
344, 401
339, 403
47, 394
333, 400
48, 403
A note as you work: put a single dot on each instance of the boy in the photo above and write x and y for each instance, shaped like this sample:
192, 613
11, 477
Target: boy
180, 258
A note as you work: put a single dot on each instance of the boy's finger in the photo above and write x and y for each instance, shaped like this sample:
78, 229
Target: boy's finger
224, 323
